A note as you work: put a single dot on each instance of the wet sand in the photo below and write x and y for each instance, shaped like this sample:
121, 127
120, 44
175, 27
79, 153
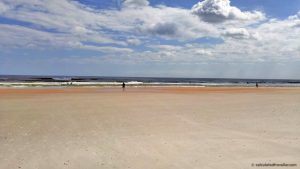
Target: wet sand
149, 128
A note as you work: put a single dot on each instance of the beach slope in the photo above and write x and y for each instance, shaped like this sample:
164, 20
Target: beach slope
149, 128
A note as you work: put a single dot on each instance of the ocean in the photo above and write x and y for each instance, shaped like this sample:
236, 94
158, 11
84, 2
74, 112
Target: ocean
32, 81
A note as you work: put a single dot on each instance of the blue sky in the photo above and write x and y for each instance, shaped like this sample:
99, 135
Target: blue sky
169, 38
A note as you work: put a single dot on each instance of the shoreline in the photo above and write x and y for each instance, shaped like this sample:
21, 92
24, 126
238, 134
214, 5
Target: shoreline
38, 84
143, 89
140, 84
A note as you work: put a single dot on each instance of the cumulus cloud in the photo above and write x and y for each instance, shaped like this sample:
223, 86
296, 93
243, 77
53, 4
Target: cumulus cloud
170, 23
293, 17
99, 26
297, 24
272, 41
69, 24
135, 3
217, 11
240, 33
164, 29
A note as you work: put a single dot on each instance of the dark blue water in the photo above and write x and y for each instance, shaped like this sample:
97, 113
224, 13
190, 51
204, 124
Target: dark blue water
146, 80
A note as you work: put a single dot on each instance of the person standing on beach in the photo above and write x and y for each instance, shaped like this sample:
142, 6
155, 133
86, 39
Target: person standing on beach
256, 85
123, 85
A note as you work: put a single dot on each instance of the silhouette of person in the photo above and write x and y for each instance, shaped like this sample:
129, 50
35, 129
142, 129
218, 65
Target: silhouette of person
256, 85
123, 85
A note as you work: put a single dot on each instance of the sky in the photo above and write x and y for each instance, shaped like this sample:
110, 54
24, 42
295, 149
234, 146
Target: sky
156, 38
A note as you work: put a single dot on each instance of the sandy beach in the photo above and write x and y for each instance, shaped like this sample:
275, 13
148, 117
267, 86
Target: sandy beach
149, 128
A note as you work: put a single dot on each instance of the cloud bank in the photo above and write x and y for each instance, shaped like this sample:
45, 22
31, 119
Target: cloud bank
136, 31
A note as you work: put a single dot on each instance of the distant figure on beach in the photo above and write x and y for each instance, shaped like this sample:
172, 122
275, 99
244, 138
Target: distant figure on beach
123, 85
256, 85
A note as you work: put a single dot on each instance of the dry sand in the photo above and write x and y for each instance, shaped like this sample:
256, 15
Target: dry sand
149, 128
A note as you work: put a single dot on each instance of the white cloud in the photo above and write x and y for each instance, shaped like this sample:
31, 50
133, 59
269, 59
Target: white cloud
295, 20
106, 49
58, 18
240, 33
216, 11
164, 29
203, 52
135, 3
3, 7
19, 37
272, 41
166, 47
134, 41
168, 22
86, 24
293, 17
69, 24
